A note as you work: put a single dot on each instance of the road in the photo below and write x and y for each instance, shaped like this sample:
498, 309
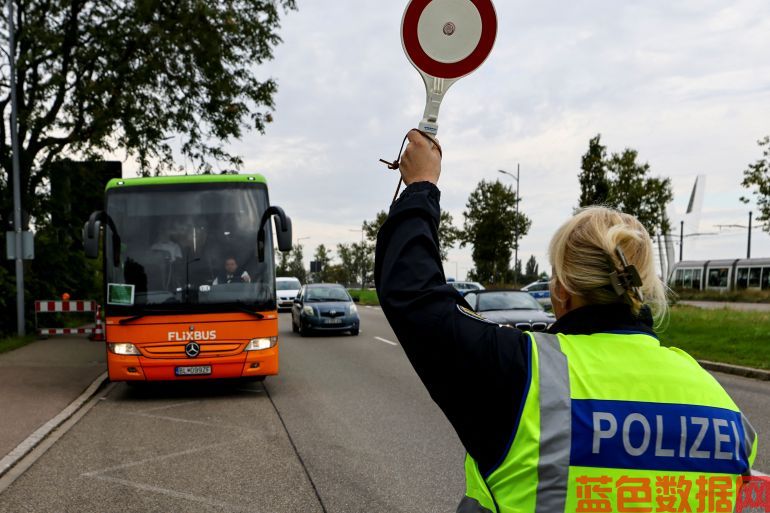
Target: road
345, 427
718, 305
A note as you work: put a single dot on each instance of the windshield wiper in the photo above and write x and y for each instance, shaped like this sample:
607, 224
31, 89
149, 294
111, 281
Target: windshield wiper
145, 313
244, 309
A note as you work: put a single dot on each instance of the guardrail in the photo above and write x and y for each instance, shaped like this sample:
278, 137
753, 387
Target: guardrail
71, 306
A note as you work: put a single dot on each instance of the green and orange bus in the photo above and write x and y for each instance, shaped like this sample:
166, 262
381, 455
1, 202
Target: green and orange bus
189, 276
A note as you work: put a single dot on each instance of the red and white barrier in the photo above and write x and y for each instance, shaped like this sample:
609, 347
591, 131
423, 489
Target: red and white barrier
74, 306
65, 306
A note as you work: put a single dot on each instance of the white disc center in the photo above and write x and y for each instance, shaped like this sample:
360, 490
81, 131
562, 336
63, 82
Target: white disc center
449, 30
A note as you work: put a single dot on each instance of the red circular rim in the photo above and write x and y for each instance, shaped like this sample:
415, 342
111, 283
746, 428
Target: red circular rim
454, 69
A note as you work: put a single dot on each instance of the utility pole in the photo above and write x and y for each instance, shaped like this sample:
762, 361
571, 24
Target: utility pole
748, 250
16, 178
681, 239
516, 225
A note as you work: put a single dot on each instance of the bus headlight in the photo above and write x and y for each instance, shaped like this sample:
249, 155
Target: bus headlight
308, 310
260, 344
124, 349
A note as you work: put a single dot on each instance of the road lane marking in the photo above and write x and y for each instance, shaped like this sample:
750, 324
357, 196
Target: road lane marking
173, 493
166, 407
386, 341
186, 452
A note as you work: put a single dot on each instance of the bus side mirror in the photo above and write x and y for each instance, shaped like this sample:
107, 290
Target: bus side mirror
282, 230
91, 232
91, 242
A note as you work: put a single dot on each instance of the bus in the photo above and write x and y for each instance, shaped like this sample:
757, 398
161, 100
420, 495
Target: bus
189, 276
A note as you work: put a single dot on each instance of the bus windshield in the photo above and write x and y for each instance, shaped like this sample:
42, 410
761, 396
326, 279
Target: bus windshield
188, 245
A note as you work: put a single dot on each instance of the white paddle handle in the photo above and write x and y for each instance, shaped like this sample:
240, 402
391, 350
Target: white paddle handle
435, 88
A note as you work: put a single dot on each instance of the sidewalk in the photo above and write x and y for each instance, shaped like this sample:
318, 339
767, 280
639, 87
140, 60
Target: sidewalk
39, 380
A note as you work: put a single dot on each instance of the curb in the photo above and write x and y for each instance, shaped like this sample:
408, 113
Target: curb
736, 370
33, 440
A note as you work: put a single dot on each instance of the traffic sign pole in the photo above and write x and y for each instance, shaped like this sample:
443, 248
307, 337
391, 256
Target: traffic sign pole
16, 178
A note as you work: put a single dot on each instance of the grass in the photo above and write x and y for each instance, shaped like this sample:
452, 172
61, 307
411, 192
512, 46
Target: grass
11, 343
729, 336
365, 296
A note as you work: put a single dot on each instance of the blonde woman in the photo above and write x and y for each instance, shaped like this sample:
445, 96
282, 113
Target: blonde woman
592, 416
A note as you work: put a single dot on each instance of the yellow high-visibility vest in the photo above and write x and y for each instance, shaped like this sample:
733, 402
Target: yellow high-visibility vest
615, 422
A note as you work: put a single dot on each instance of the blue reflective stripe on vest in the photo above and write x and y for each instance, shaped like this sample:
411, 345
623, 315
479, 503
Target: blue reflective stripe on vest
657, 436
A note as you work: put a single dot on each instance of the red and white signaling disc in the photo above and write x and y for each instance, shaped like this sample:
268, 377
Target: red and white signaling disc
448, 38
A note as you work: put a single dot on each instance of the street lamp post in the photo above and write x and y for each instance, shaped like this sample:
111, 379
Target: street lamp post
516, 225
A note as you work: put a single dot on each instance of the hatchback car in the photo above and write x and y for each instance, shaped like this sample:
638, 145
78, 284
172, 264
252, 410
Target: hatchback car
512, 307
324, 307
286, 289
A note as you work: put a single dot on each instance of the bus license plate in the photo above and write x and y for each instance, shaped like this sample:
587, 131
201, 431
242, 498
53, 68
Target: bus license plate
198, 370
333, 321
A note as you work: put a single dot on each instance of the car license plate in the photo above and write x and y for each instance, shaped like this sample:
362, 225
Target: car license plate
333, 321
198, 370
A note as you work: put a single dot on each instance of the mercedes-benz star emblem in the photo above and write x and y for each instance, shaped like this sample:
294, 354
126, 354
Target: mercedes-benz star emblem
192, 349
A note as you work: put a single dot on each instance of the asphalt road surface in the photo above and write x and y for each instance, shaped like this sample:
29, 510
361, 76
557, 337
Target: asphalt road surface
346, 427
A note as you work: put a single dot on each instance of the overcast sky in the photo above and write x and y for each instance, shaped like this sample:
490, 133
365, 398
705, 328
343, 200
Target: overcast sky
686, 83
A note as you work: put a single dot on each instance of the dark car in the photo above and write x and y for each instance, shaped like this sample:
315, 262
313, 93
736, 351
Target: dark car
324, 307
511, 307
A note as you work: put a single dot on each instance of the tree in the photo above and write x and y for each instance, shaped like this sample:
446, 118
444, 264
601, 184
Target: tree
531, 271
347, 263
95, 77
322, 257
634, 192
283, 262
594, 186
491, 223
622, 183
297, 264
757, 175
448, 235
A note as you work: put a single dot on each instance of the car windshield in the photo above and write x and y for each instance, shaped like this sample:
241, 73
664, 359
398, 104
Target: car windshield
327, 294
507, 301
188, 245
287, 285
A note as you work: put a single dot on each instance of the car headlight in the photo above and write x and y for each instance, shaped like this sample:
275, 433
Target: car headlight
308, 310
124, 348
260, 344
353, 309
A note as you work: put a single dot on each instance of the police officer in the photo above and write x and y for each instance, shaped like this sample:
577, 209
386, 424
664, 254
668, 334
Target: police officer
592, 416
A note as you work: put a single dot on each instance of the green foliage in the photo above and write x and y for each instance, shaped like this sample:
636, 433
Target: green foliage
757, 176
448, 235
324, 259
346, 273
594, 186
491, 226
622, 183
297, 264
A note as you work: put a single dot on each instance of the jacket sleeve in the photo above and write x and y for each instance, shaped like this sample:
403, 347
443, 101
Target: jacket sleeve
475, 370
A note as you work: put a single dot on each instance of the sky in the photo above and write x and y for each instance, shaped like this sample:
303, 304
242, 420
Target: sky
685, 83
